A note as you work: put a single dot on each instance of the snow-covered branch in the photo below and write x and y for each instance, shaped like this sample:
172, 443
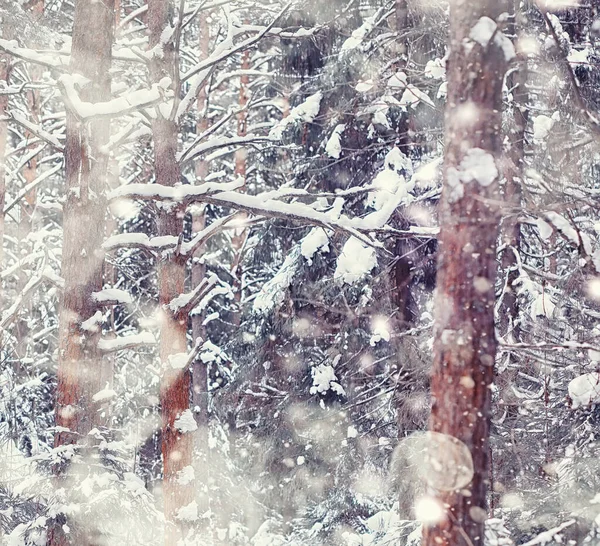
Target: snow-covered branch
136, 100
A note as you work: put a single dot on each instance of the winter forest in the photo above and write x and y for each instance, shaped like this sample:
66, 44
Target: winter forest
289, 273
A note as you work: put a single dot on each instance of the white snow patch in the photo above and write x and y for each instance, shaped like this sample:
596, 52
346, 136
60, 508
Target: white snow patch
545, 230
186, 475
105, 394
542, 125
579, 56
324, 379
485, 29
316, 240
334, 144
398, 81
387, 183
178, 361
186, 422
351, 432
359, 35
112, 295
413, 96
585, 390
364, 87
188, 513
435, 69
92, 324
355, 261
124, 342
305, 112
478, 165
542, 306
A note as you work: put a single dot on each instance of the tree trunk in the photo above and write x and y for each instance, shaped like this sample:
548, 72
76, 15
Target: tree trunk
175, 383
86, 161
79, 360
465, 344
240, 234
199, 370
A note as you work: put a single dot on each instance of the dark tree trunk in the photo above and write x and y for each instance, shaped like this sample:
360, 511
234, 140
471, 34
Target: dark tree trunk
465, 344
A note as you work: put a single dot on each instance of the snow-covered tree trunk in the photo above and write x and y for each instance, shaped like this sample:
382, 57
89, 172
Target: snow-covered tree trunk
465, 344
86, 160
175, 382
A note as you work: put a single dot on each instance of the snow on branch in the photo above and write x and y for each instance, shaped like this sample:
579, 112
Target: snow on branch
190, 247
261, 205
45, 273
216, 143
110, 345
136, 100
54, 60
592, 122
183, 194
305, 112
33, 184
36, 130
182, 305
199, 72
112, 296
221, 55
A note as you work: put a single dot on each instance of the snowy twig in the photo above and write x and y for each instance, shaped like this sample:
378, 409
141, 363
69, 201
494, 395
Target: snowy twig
33, 184
132, 102
35, 130
593, 123
548, 536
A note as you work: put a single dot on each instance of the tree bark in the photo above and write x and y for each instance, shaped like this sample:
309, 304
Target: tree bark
86, 161
79, 360
199, 368
240, 234
465, 344
199, 378
175, 383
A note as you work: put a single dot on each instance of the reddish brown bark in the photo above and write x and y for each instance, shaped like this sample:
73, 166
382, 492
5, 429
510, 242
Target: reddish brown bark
79, 360
465, 344
86, 167
175, 383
